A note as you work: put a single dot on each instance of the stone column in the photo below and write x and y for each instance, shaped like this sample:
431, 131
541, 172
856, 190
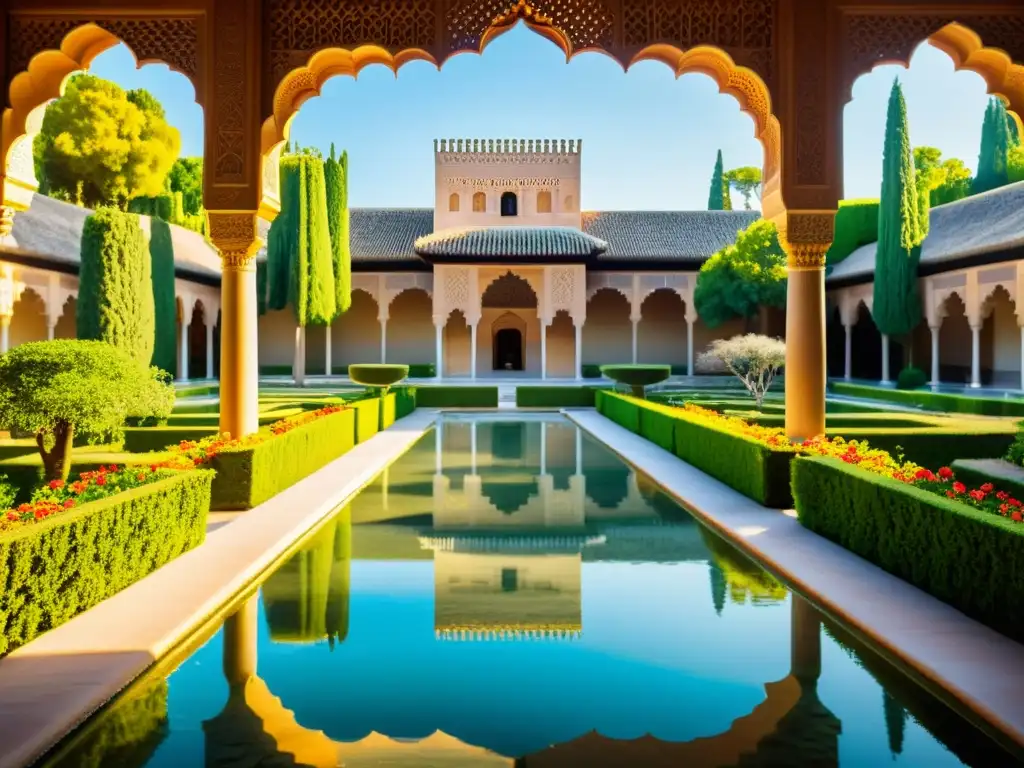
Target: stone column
7, 289
935, 354
848, 354
806, 236
579, 451
636, 324
976, 355
543, 448
240, 635
186, 323
579, 351
439, 348
5, 333
235, 235
543, 348
209, 344
691, 318
885, 358
299, 356
328, 363
51, 328
472, 348
384, 340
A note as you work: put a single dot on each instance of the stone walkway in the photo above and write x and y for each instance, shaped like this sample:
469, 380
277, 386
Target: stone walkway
957, 658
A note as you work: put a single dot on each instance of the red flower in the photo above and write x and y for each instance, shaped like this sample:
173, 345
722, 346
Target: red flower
925, 474
55, 484
69, 503
101, 481
1017, 516
141, 476
977, 495
987, 488
959, 487
1002, 495
950, 494
946, 473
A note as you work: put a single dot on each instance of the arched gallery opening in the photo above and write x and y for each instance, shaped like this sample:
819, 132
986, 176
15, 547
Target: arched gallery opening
661, 335
28, 323
410, 328
355, 335
607, 334
508, 336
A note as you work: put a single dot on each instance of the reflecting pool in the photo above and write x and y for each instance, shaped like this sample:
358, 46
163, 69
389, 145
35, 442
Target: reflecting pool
509, 593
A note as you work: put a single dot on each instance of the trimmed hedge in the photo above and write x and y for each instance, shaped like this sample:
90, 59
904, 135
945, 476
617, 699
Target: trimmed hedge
938, 447
56, 569
25, 473
969, 559
856, 225
146, 439
249, 476
555, 397
422, 371
935, 401
457, 397
1004, 475
405, 401
744, 465
367, 418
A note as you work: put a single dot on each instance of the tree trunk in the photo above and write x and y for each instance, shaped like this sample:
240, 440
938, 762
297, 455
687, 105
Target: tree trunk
57, 461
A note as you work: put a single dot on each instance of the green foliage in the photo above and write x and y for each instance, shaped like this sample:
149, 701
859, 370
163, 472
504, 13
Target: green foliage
115, 302
591, 371
1004, 475
148, 439
995, 144
247, 477
742, 277
911, 378
744, 465
165, 308
928, 175
1012, 130
66, 564
856, 225
282, 239
753, 359
336, 178
555, 397
377, 374
368, 418
1015, 164
636, 377
100, 145
746, 181
956, 182
261, 287
718, 197
457, 397
56, 390
186, 178
8, 492
935, 401
897, 304
422, 371
970, 559
159, 206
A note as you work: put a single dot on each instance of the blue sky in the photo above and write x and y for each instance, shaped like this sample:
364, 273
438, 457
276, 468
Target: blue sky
649, 140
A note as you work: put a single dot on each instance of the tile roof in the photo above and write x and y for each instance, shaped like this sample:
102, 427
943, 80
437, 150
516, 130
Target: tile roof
987, 224
679, 236
510, 241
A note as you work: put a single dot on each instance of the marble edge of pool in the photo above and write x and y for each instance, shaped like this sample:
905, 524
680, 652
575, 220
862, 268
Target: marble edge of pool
51, 685
976, 665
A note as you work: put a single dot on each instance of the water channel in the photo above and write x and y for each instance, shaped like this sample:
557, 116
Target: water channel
510, 593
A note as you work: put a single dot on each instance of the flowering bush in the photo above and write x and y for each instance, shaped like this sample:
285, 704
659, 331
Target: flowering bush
985, 498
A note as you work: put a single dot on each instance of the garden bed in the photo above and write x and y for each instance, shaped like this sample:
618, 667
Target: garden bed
967, 557
68, 562
1001, 473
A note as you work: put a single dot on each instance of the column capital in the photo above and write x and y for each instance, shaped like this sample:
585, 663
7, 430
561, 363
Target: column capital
805, 236
6, 220
236, 235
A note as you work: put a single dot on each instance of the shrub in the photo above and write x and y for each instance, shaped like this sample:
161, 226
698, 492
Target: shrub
911, 378
966, 557
1015, 453
422, 371
555, 397
115, 301
147, 439
383, 375
66, 564
368, 418
753, 359
55, 389
8, 492
590, 371
856, 225
405, 401
636, 377
457, 397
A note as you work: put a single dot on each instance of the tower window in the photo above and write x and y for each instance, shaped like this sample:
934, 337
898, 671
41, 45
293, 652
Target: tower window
509, 204
544, 201
453, 201
479, 202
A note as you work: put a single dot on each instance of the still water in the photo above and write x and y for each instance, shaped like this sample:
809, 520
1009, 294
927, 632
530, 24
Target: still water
509, 593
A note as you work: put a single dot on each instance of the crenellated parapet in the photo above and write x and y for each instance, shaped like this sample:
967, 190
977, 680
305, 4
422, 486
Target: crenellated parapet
518, 147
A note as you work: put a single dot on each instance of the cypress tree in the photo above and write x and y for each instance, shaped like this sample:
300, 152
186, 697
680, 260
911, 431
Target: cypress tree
1012, 131
716, 198
115, 302
336, 177
283, 235
897, 306
165, 307
311, 288
995, 141
895, 723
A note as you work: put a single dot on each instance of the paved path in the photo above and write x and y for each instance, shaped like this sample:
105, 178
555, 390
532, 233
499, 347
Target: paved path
954, 656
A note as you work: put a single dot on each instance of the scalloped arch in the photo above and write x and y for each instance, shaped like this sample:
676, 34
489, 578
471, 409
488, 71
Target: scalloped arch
591, 293
743, 84
49, 70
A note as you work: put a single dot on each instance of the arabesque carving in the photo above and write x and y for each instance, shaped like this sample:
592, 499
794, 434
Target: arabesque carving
229, 39
806, 237
236, 237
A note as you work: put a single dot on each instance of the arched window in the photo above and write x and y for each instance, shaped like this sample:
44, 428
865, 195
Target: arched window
453, 201
509, 204
479, 202
568, 203
544, 201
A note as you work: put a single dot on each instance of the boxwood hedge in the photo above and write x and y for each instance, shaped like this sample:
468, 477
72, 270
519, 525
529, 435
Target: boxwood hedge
457, 397
57, 568
555, 397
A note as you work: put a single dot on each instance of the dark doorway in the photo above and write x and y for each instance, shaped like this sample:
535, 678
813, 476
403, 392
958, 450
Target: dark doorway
509, 579
508, 350
509, 204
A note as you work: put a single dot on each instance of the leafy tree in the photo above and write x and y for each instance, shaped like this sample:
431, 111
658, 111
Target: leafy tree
897, 306
56, 390
995, 143
746, 181
100, 145
856, 225
1015, 163
336, 178
718, 197
956, 183
753, 359
115, 302
742, 277
929, 174
186, 177
1012, 130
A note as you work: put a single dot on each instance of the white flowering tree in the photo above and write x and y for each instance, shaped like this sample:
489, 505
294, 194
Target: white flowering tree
755, 360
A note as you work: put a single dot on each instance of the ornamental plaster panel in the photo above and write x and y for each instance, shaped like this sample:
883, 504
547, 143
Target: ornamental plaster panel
368, 284
680, 283
619, 282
